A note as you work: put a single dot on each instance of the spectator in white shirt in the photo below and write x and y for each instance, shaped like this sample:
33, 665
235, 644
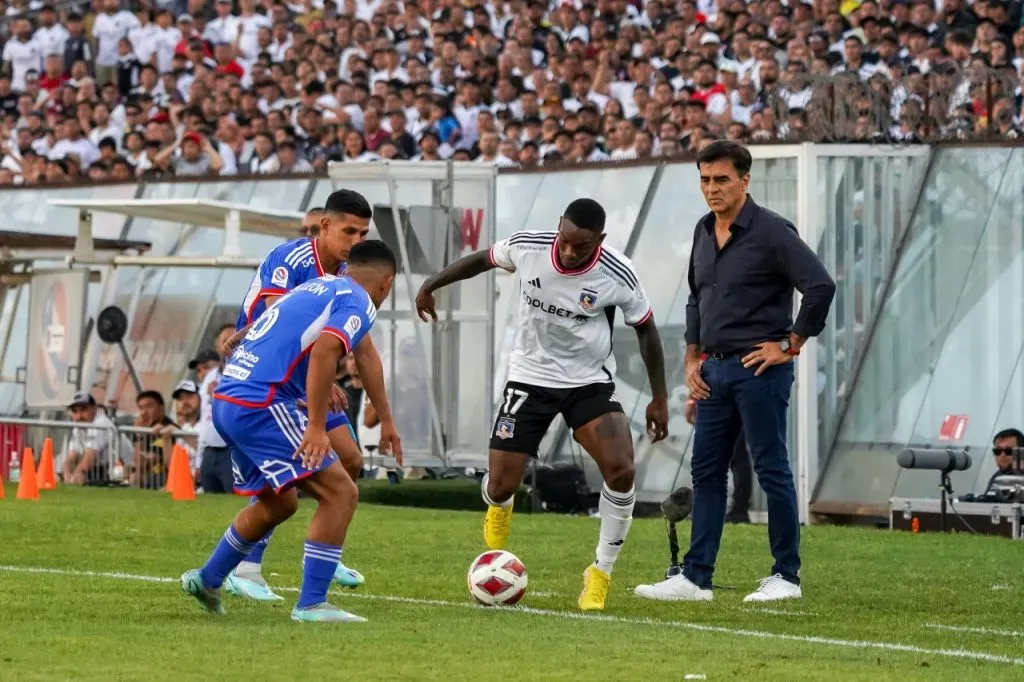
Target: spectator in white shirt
223, 29
249, 24
22, 54
107, 29
165, 40
97, 454
75, 143
50, 35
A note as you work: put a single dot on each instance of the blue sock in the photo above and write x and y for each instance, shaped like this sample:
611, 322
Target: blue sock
317, 572
256, 555
228, 553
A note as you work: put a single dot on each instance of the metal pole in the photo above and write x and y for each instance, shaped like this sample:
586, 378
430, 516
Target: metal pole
131, 367
410, 288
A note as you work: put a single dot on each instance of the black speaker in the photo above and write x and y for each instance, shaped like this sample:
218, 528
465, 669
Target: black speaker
112, 325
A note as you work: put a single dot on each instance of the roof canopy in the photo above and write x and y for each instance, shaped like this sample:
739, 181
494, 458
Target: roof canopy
202, 212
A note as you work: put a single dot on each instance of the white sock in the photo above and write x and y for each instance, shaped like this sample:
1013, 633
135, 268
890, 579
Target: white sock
616, 511
487, 498
250, 571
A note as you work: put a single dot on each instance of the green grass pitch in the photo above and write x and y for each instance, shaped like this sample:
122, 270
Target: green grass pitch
88, 591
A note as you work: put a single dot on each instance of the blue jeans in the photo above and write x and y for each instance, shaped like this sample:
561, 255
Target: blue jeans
757, 406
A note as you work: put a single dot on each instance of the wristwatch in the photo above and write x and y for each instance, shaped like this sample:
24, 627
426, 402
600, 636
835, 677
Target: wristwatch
786, 347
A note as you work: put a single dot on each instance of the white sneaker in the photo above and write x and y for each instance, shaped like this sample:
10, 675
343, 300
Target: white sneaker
775, 588
676, 588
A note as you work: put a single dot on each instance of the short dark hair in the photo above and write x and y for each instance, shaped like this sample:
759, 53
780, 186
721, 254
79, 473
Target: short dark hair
315, 210
1010, 433
348, 201
154, 395
728, 150
586, 214
373, 252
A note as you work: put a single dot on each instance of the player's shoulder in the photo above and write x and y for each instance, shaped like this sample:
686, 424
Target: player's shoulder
530, 240
293, 253
616, 265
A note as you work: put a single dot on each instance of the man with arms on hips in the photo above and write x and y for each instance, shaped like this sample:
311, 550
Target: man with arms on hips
562, 363
344, 223
746, 262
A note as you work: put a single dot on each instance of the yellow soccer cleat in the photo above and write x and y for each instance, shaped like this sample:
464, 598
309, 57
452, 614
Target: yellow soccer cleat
595, 589
497, 526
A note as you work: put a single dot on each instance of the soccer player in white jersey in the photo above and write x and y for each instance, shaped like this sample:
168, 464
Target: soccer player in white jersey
562, 363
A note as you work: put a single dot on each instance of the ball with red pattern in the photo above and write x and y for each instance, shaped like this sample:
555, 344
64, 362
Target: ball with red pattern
497, 578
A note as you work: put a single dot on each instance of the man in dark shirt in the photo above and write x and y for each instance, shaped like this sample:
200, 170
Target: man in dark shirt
740, 344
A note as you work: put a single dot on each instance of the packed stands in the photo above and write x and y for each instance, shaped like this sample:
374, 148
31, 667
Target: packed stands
215, 87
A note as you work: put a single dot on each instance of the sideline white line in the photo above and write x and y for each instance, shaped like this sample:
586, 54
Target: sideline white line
778, 612
601, 618
980, 631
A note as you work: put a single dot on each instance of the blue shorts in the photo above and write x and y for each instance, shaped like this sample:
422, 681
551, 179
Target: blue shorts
263, 443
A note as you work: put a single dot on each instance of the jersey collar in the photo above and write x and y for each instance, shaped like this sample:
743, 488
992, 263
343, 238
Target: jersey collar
586, 267
320, 267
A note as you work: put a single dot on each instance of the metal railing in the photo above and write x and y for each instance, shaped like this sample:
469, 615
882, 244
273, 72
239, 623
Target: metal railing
95, 454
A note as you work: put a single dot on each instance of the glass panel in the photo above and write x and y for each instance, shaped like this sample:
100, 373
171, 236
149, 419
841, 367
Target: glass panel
773, 185
1012, 409
884, 408
12, 395
28, 210
970, 377
516, 194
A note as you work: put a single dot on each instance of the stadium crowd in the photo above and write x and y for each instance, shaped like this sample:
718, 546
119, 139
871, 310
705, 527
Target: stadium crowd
216, 87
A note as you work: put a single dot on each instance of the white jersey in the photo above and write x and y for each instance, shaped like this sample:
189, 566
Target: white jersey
209, 437
564, 335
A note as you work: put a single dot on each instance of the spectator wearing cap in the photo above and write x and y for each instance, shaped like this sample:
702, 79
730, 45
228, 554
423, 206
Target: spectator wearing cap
151, 454
215, 459
77, 47
187, 407
96, 455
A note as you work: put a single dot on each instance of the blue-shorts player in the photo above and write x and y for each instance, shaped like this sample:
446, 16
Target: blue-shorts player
344, 222
287, 359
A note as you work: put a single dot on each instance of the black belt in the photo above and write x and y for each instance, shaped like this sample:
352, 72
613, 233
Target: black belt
714, 355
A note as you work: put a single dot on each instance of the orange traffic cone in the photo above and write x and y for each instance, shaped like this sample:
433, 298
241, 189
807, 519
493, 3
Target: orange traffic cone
169, 486
182, 487
46, 478
28, 488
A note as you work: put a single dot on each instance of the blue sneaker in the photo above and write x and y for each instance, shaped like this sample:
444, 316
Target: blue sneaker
324, 613
250, 587
348, 577
192, 583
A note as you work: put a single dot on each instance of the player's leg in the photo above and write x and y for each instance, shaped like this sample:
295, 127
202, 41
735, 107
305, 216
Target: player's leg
249, 525
524, 415
337, 497
345, 446
600, 426
261, 445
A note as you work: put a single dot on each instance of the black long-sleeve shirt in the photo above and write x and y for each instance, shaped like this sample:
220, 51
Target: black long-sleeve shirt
742, 294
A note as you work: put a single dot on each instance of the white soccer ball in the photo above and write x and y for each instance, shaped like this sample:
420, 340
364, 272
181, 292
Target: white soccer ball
497, 578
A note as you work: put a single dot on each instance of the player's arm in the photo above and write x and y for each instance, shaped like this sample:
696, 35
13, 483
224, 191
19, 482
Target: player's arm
371, 370
504, 254
465, 268
323, 360
639, 315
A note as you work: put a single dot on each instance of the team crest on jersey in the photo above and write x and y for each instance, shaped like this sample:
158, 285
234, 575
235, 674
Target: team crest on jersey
588, 299
506, 429
280, 277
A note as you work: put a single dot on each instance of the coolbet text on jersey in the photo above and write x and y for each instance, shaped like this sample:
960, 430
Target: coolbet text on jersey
286, 267
564, 335
255, 406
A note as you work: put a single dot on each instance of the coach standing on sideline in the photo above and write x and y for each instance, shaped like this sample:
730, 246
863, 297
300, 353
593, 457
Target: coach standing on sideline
740, 344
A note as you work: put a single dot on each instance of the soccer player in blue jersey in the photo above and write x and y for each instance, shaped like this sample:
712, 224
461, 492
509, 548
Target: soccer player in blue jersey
343, 222
289, 358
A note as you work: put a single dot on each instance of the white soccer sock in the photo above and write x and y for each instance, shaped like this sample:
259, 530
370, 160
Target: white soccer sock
616, 511
250, 571
487, 498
